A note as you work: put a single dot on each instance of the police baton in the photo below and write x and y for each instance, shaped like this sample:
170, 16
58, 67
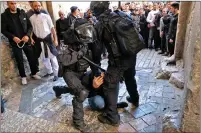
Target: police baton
91, 62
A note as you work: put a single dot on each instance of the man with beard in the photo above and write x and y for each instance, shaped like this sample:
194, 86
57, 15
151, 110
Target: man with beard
36, 46
119, 66
43, 29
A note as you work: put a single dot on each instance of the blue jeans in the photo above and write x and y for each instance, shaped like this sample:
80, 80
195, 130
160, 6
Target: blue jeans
96, 102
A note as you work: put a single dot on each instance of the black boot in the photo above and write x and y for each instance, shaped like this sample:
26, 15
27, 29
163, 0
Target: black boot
165, 54
161, 52
104, 119
171, 63
135, 103
60, 90
78, 114
122, 105
83, 127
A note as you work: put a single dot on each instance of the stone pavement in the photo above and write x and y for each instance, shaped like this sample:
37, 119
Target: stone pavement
40, 111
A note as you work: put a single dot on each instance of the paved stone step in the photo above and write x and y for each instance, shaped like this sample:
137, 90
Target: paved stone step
17, 122
157, 98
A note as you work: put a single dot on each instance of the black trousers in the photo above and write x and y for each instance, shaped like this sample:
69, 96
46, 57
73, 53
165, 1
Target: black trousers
145, 34
2, 105
111, 81
157, 39
163, 44
28, 50
80, 93
171, 47
154, 35
37, 51
167, 41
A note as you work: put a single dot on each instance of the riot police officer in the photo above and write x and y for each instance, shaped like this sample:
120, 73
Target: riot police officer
119, 66
74, 66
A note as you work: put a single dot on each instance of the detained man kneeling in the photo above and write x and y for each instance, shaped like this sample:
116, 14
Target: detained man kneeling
96, 96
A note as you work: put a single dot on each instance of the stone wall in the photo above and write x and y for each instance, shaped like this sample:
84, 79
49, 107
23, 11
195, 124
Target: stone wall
191, 56
8, 65
181, 31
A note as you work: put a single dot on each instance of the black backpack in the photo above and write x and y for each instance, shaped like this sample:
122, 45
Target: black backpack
122, 28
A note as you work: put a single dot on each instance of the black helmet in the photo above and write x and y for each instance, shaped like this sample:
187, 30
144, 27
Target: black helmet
98, 7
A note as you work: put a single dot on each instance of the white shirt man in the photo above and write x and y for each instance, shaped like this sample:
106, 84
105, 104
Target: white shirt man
151, 17
151, 25
43, 28
42, 24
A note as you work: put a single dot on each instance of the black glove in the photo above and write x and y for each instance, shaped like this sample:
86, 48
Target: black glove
80, 54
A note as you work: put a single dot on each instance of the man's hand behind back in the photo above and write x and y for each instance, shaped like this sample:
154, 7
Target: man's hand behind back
98, 81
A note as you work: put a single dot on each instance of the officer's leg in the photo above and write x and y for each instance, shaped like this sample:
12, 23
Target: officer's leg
80, 94
131, 84
111, 81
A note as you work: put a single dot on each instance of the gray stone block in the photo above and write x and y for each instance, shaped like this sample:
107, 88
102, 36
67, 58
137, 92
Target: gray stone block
177, 79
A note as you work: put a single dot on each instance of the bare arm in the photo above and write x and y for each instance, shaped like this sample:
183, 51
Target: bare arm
53, 31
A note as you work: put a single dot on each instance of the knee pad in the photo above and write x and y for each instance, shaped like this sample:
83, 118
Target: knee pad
82, 95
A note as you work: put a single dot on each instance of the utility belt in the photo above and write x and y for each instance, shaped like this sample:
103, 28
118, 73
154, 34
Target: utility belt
73, 67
